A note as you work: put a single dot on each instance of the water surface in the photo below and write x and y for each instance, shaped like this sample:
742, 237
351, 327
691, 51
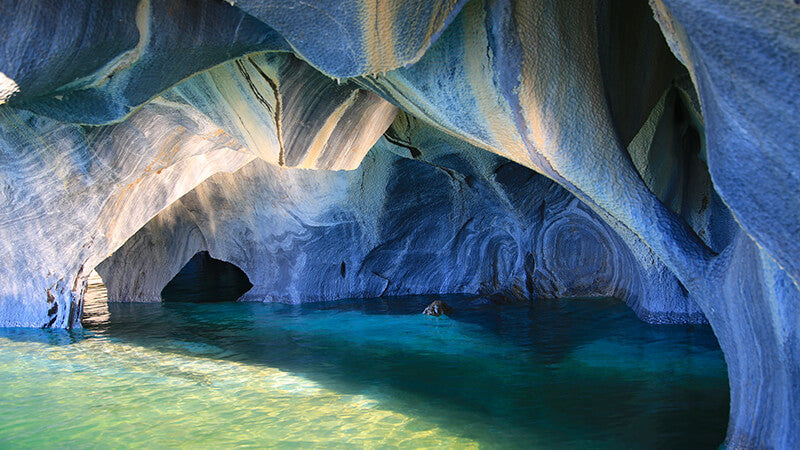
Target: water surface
556, 374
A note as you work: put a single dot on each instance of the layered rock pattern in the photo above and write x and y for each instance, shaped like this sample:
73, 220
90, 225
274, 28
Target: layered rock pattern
88, 190
288, 113
100, 184
356, 37
424, 214
103, 60
676, 159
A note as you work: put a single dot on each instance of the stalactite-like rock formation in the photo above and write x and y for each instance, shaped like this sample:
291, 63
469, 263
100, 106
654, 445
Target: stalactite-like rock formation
665, 135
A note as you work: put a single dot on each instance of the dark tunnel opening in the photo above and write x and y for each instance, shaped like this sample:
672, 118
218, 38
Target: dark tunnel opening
206, 280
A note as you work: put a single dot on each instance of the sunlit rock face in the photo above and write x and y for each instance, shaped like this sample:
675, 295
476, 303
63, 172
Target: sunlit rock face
71, 195
287, 113
669, 135
75, 193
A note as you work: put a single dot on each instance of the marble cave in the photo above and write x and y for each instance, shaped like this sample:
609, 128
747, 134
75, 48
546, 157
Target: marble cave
519, 151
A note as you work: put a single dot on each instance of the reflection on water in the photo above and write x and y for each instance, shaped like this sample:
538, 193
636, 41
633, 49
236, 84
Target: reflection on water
370, 373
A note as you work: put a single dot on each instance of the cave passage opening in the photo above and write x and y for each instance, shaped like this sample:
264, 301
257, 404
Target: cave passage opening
205, 279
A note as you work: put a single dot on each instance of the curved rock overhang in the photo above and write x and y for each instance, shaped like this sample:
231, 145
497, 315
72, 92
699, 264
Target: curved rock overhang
425, 213
105, 182
683, 170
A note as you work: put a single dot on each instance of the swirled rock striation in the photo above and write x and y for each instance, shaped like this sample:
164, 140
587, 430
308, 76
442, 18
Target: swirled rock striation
423, 214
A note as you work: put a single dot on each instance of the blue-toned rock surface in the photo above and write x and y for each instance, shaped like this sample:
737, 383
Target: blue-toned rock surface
90, 69
72, 194
666, 134
346, 39
423, 214
287, 113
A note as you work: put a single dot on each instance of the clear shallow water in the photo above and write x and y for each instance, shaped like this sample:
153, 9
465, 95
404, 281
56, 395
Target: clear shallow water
563, 374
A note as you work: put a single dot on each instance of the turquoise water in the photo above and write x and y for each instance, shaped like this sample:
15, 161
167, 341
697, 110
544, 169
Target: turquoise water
558, 374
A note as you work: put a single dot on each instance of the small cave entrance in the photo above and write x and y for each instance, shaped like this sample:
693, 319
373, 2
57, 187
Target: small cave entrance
206, 280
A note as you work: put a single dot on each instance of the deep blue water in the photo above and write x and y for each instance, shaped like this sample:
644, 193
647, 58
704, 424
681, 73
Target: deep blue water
554, 374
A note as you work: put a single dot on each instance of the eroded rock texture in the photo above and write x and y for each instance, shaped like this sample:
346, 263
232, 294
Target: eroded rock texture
71, 195
665, 132
423, 214
288, 113
75, 193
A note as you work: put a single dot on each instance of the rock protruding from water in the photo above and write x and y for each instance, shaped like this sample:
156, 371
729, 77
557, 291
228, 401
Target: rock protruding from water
437, 308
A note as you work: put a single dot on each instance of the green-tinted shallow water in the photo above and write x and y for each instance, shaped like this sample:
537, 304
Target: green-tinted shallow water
564, 374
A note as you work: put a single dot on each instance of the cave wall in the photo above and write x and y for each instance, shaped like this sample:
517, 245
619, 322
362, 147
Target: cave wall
423, 214
531, 90
743, 59
73, 193
753, 306
746, 70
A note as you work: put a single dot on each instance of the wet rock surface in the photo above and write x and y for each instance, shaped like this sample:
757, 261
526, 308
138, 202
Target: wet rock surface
438, 308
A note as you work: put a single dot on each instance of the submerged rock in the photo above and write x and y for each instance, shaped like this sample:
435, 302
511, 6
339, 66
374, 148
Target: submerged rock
437, 308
